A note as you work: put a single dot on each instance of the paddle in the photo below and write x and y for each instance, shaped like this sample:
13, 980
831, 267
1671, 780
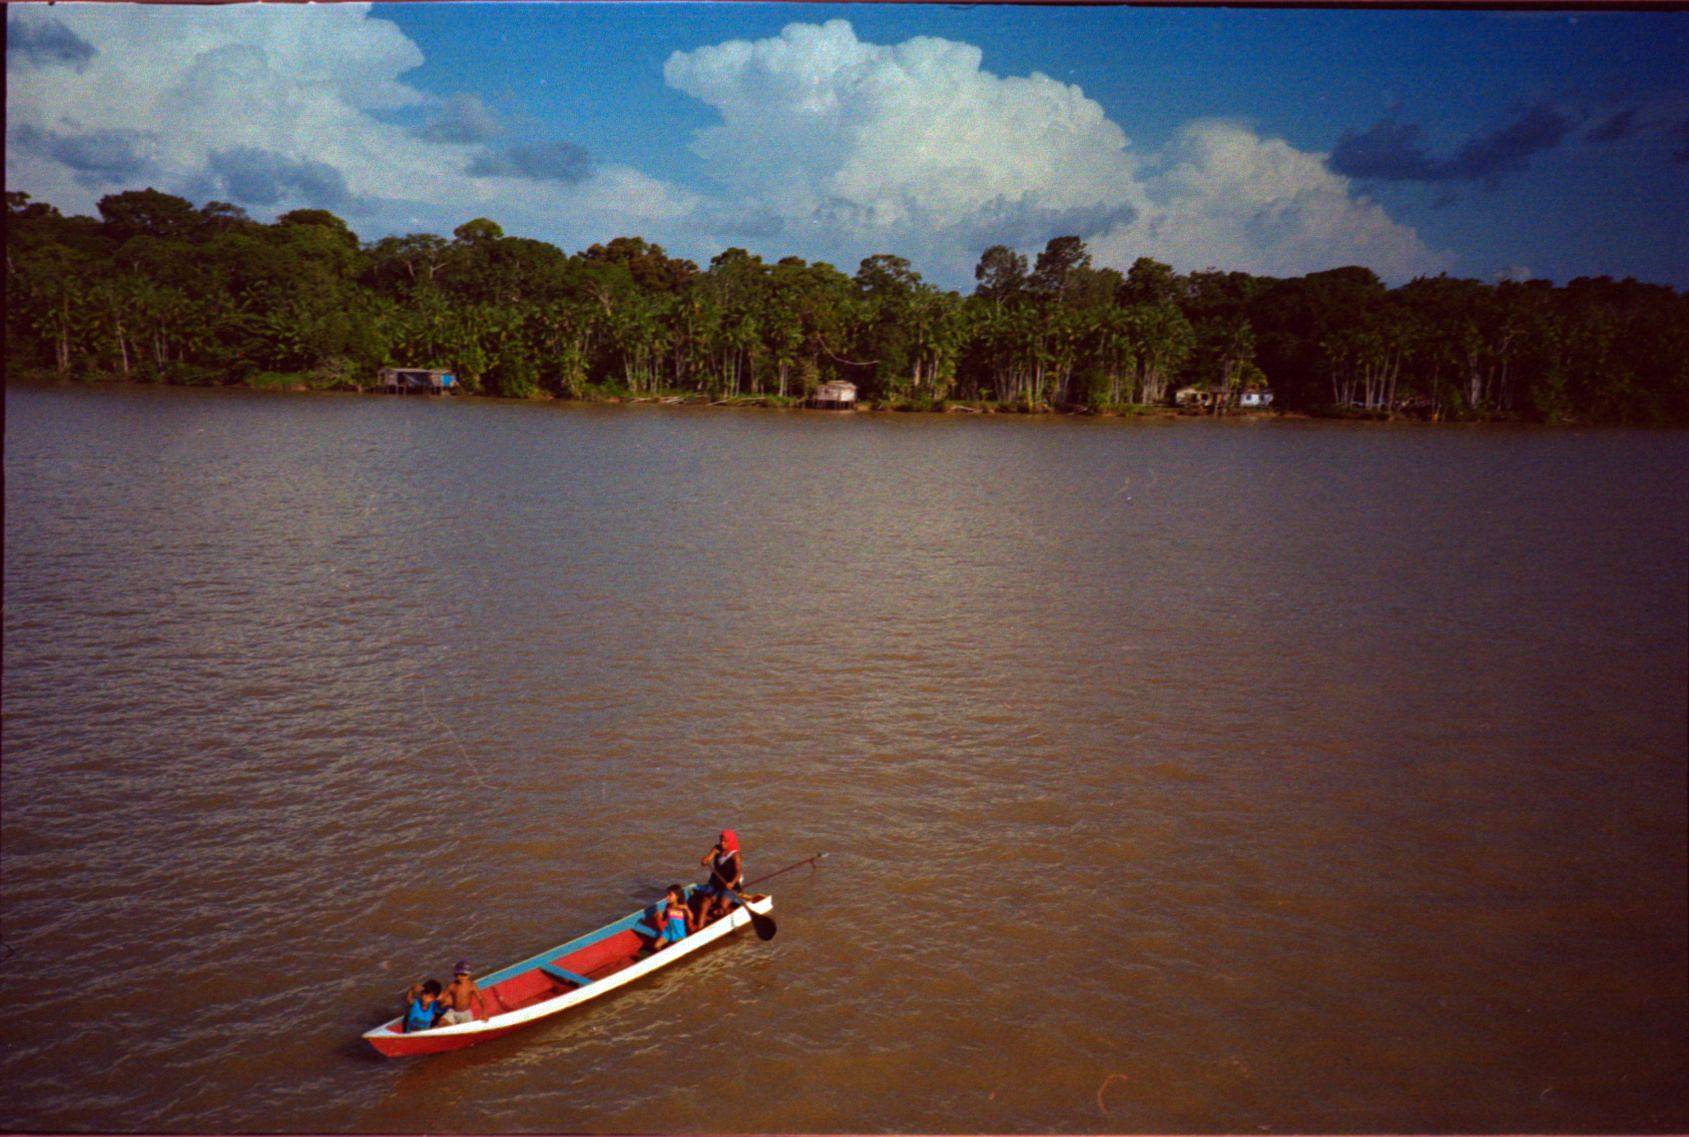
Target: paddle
784, 871
764, 924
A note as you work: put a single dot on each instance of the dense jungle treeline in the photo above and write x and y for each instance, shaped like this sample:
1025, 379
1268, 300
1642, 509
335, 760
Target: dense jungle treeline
156, 289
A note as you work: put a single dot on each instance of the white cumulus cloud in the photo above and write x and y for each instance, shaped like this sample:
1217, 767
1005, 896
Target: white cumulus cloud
910, 148
277, 107
915, 148
1224, 197
827, 146
815, 119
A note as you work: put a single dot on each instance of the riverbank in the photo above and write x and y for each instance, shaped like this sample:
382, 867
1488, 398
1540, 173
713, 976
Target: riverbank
319, 383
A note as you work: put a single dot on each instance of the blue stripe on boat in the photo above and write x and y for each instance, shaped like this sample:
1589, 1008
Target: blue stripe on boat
626, 923
564, 974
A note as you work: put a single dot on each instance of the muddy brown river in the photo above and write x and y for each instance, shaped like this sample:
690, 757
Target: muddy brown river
1249, 776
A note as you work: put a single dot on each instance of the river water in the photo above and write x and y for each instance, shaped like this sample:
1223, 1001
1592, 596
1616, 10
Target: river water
1178, 776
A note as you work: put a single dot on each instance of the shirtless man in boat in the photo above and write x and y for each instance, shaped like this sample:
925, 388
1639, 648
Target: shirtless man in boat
727, 875
462, 999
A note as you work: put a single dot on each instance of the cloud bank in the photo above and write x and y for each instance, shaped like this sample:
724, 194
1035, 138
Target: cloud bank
47, 42
1230, 199
545, 162
283, 107
1395, 151
825, 145
816, 122
914, 147
1615, 128
464, 119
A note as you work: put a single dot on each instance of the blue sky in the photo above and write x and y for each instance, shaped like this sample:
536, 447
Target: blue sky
1550, 144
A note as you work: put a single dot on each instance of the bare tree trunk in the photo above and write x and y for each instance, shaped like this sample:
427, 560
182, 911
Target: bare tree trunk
64, 336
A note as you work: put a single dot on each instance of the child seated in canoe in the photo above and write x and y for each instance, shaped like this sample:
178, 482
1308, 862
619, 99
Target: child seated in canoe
459, 1001
675, 921
422, 1005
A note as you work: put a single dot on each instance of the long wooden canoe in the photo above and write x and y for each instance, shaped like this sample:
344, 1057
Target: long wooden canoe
561, 977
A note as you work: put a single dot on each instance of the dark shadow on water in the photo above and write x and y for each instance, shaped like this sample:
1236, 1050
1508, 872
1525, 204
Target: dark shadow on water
359, 1050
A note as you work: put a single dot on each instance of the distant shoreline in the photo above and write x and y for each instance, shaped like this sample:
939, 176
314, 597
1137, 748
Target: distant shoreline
159, 290
300, 384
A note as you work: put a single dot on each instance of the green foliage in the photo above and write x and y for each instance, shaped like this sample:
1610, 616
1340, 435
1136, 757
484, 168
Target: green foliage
321, 219
178, 373
1001, 273
478, 232
1061, 260
147, 212
278, 381
157, 290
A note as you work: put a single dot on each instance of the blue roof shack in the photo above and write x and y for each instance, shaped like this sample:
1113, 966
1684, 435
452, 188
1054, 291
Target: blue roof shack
416, 381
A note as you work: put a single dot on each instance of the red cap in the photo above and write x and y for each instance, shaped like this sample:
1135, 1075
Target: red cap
729, 841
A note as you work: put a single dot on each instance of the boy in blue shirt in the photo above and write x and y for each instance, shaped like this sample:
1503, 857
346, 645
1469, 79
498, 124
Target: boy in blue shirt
422, 1005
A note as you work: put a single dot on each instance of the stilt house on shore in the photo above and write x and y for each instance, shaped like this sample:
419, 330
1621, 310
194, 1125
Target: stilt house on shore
416, 381
835, 394
1253, 398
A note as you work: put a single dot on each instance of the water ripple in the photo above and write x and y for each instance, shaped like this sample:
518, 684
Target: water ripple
1180, 779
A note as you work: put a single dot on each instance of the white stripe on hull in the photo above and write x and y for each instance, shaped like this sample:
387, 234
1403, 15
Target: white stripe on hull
737, 919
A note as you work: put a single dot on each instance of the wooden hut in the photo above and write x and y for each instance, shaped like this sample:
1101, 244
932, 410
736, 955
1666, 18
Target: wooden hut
836, 394
416, 381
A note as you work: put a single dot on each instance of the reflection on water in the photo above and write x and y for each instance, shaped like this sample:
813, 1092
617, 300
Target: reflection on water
1178, 776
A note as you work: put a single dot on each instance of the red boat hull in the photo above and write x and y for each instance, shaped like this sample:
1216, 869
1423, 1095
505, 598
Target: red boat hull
426, 1042
560, 978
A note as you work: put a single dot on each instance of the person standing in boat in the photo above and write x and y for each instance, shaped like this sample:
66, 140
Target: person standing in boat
727, 874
